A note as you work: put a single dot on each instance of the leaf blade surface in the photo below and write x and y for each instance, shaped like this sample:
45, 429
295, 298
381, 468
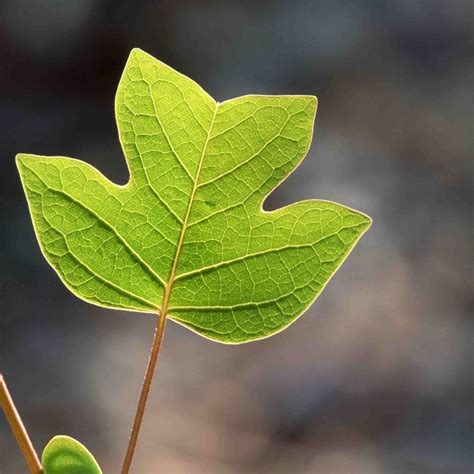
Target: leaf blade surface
187, 234
65, 455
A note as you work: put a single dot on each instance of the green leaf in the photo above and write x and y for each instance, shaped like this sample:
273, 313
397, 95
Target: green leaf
65, 455
187, 235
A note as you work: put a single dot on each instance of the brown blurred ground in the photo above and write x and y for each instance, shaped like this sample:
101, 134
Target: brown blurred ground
376, 377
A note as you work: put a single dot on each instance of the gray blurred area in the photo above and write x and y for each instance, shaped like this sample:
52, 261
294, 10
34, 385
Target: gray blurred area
377, 376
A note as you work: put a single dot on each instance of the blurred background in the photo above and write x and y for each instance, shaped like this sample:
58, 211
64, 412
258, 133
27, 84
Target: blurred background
376, 377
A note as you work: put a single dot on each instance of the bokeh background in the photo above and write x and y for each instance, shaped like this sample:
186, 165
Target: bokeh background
376, 377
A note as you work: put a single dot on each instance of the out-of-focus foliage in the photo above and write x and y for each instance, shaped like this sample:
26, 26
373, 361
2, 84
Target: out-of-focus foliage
65, 455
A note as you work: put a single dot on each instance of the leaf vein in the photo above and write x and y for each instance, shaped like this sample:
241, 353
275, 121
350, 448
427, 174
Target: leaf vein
131, 252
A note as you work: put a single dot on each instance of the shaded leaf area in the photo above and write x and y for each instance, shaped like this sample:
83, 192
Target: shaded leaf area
187, 234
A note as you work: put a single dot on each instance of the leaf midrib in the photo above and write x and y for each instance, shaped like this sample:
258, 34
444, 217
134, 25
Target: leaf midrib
172, 277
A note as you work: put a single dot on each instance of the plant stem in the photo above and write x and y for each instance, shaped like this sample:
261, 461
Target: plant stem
155, 351
18, 429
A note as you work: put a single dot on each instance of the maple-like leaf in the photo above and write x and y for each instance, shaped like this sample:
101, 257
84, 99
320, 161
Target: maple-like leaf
187, 236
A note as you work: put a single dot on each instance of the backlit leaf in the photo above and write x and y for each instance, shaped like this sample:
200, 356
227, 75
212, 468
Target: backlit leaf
65, 455
187, 235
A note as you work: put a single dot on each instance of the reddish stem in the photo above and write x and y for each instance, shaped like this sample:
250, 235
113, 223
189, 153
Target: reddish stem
18, 429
